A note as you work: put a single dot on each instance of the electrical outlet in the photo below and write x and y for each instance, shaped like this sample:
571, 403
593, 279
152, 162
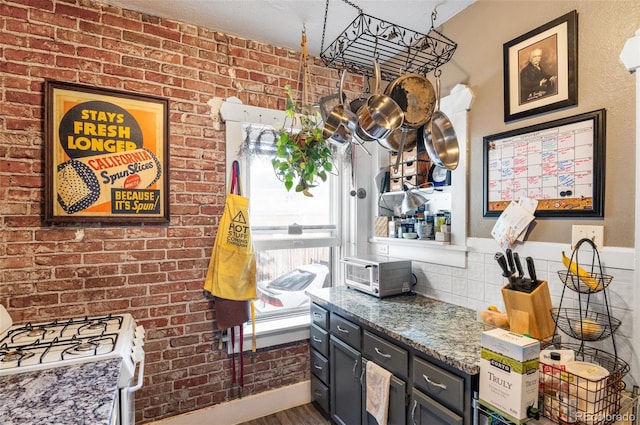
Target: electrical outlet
594, 233
382, 249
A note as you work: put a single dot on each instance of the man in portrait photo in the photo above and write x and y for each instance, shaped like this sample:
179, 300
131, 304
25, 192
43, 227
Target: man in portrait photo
539, 75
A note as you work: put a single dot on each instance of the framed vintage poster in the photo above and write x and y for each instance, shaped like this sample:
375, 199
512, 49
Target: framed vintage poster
541, 69
560, 163
106, 155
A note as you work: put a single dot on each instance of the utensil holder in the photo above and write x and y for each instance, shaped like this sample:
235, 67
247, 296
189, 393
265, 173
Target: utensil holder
530, 313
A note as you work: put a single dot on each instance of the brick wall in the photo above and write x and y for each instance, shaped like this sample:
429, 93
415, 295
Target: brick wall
154, 272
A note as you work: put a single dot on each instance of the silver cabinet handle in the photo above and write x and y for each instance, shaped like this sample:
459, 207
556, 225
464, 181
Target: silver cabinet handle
318, 315
381, 354
345, 331
413, 412
317, 367
316, 339
435, 384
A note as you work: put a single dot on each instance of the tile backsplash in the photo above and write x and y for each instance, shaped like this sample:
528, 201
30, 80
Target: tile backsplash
479, 285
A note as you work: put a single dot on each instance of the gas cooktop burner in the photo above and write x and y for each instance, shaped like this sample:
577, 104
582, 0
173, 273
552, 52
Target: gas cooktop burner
36, 332
96, 325
31, 334
83, 347
14, 356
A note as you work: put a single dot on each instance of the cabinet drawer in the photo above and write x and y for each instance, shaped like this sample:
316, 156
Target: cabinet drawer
397, 412
426, 411
386, 354
319, 340
320, 366
319, 316
439, 384
320, 393
346, 331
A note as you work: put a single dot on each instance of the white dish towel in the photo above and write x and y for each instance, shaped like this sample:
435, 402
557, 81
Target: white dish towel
378, 384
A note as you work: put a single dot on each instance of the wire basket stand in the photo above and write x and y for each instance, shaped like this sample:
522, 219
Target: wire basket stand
398, 49
595, 398
585, 323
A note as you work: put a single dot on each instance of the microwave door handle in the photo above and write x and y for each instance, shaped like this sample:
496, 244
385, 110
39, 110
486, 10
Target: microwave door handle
371, 267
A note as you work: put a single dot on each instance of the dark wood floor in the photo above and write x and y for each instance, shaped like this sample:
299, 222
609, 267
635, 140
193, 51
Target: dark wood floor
306, 414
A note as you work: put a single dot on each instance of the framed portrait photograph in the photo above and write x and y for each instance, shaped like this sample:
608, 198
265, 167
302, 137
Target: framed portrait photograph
106, 155
561, 164
541, 69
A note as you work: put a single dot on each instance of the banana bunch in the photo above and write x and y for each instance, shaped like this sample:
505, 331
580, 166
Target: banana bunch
582, 274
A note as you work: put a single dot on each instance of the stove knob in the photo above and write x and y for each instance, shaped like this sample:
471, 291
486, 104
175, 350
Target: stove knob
139, 335
137, 354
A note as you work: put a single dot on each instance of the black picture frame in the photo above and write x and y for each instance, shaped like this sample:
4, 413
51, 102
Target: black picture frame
525, 162
106, 155
530, 90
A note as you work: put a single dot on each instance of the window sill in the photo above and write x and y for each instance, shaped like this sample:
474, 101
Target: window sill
430, 251
274, 332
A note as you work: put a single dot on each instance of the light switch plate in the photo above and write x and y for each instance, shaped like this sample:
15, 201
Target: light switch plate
594, 233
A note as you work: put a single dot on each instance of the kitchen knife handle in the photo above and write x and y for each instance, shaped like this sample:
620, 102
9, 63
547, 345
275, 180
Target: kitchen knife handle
532, 270
512, 267
516, 259
502, 262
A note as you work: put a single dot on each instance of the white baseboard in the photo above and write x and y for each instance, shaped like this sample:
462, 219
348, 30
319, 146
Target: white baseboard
246, 408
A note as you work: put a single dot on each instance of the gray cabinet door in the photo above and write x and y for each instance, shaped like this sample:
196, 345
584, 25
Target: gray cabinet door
397, 402
346, 388
426, 411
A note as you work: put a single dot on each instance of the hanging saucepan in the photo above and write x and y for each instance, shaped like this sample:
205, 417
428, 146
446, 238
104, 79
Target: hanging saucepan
392, 143
339, 119
381, 114
416, 97
356, 104
439, 136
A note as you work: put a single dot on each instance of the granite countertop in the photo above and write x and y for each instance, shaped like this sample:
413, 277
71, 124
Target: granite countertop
447, 332
80, 394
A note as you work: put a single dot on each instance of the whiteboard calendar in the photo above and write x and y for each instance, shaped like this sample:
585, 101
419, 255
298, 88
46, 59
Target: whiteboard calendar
560, 163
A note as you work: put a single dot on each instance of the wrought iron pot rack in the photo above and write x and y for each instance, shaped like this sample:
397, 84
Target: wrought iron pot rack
398, 49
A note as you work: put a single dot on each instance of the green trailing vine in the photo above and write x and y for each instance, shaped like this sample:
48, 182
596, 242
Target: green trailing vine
304, 159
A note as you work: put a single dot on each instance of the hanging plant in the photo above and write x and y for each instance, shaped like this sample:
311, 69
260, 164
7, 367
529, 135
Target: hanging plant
303, 159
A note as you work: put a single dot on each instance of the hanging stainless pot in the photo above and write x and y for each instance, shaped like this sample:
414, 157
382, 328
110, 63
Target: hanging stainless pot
440, 138
339, 119
381, 114
356, 104
392, 143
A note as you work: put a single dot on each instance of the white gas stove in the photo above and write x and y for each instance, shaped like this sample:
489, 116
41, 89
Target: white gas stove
37, 346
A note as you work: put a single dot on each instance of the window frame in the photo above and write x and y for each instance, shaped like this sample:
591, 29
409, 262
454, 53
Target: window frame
294, 327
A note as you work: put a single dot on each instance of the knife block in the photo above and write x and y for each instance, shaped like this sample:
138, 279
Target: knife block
530, 313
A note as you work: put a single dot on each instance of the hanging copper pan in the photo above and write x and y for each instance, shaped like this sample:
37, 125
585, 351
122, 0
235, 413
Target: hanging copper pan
416, 97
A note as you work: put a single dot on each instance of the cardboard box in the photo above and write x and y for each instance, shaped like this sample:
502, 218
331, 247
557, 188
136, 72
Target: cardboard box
508, 386
510, 344
382, 226
415, 167
396, 185
415, 180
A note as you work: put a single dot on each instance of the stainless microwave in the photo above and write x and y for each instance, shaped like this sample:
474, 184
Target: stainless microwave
377, 275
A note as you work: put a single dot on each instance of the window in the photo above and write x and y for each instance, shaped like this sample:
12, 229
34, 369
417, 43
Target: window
296, 238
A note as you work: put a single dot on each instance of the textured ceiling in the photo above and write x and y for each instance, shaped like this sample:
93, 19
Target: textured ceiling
280, 22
